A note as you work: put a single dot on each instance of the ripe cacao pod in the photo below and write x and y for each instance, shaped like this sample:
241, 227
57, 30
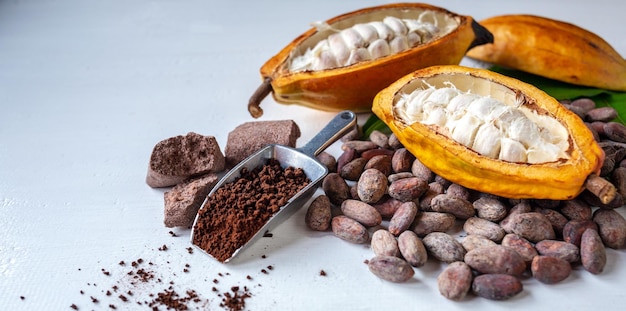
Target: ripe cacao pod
354, 86
559, 171
552, 49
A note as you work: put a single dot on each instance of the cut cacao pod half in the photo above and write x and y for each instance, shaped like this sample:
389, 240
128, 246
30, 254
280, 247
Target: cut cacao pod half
343, 62
492, 133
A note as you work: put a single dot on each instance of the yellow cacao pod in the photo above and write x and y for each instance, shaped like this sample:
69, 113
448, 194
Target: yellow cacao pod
543, 150
552, 49
365, 63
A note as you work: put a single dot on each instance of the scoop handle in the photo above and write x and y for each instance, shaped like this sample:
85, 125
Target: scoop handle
342, 123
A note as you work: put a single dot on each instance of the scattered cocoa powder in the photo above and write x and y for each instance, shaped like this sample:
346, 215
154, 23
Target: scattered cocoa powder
238, 210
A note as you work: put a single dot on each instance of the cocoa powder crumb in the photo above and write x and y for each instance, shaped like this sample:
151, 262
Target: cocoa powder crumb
22, 297
322, 273
247, 203
73, 306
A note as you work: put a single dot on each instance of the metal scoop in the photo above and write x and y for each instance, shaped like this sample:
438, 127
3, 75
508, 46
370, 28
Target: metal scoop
303, 158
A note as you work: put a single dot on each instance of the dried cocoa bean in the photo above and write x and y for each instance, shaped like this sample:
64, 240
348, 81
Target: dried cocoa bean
574, 229
496, 286
455, 281
532, 226
611, 227
592, 251
602, 114
358, 145
495, 260
412, 249
473, 241
392, 269
421, 171
490, 208
336, 188
550, 270
559, 249
520, 245
576, 209
346, 157
369, 154
483, 227
384, 243
362, 212
557, 219
349, 230
394, 143
387, 206
407, 189
318, 214
372, 185
397, 176
615, 131
428, 222
382, 163
328, 160
380, 139
443, 247
458, 191
618, 177
519, 208
585, 104
459, 207
434, 189
402, 160
353, 169
402, 218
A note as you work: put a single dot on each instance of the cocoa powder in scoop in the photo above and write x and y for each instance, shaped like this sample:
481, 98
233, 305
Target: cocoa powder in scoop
238, 210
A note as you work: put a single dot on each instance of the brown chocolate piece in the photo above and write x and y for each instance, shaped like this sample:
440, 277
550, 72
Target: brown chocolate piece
184, 200
179, 158
250, 137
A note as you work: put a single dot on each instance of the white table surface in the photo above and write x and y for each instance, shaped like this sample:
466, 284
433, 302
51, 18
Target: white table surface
87, 88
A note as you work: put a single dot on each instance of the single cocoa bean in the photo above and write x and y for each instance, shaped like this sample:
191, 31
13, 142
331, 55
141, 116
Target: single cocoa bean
586, 104
559, 249
455, 281
380, 139
459, 207
392, 269
473, 241
618, 177
486, 228
407, 189
557, 219
328, 160
428, 222
573, 230
358, 145
384, 243
346, 157
402, 218
576, 209
421, 171
369, 154
398, 176
318, 214
550, 270
382, 163
615, 131
362, 212
372, 185
434, 189
402, 160
592, 251
394, 143
519, 208
495, 260
387, 206
458, 191
611, 227
412, 249
496, 286
602, 114
532, 226
520, 245
336, 188
349, 230
353, 169
490, 208
443, 247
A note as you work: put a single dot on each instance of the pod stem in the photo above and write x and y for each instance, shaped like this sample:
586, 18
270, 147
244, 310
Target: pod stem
254, 104
481, 35
601, 188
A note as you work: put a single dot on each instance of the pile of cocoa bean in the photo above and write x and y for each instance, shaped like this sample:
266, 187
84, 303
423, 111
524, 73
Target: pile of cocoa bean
378, 192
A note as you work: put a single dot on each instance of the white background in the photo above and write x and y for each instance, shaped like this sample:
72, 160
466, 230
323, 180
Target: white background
87, 88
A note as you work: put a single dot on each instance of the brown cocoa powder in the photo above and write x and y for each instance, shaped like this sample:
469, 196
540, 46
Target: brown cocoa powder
238, 210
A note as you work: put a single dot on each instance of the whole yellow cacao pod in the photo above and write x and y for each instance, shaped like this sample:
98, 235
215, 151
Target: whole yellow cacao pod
552, 49
491, 133
345, 61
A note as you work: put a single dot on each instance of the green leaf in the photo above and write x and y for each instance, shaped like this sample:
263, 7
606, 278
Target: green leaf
565, 91
373, 123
